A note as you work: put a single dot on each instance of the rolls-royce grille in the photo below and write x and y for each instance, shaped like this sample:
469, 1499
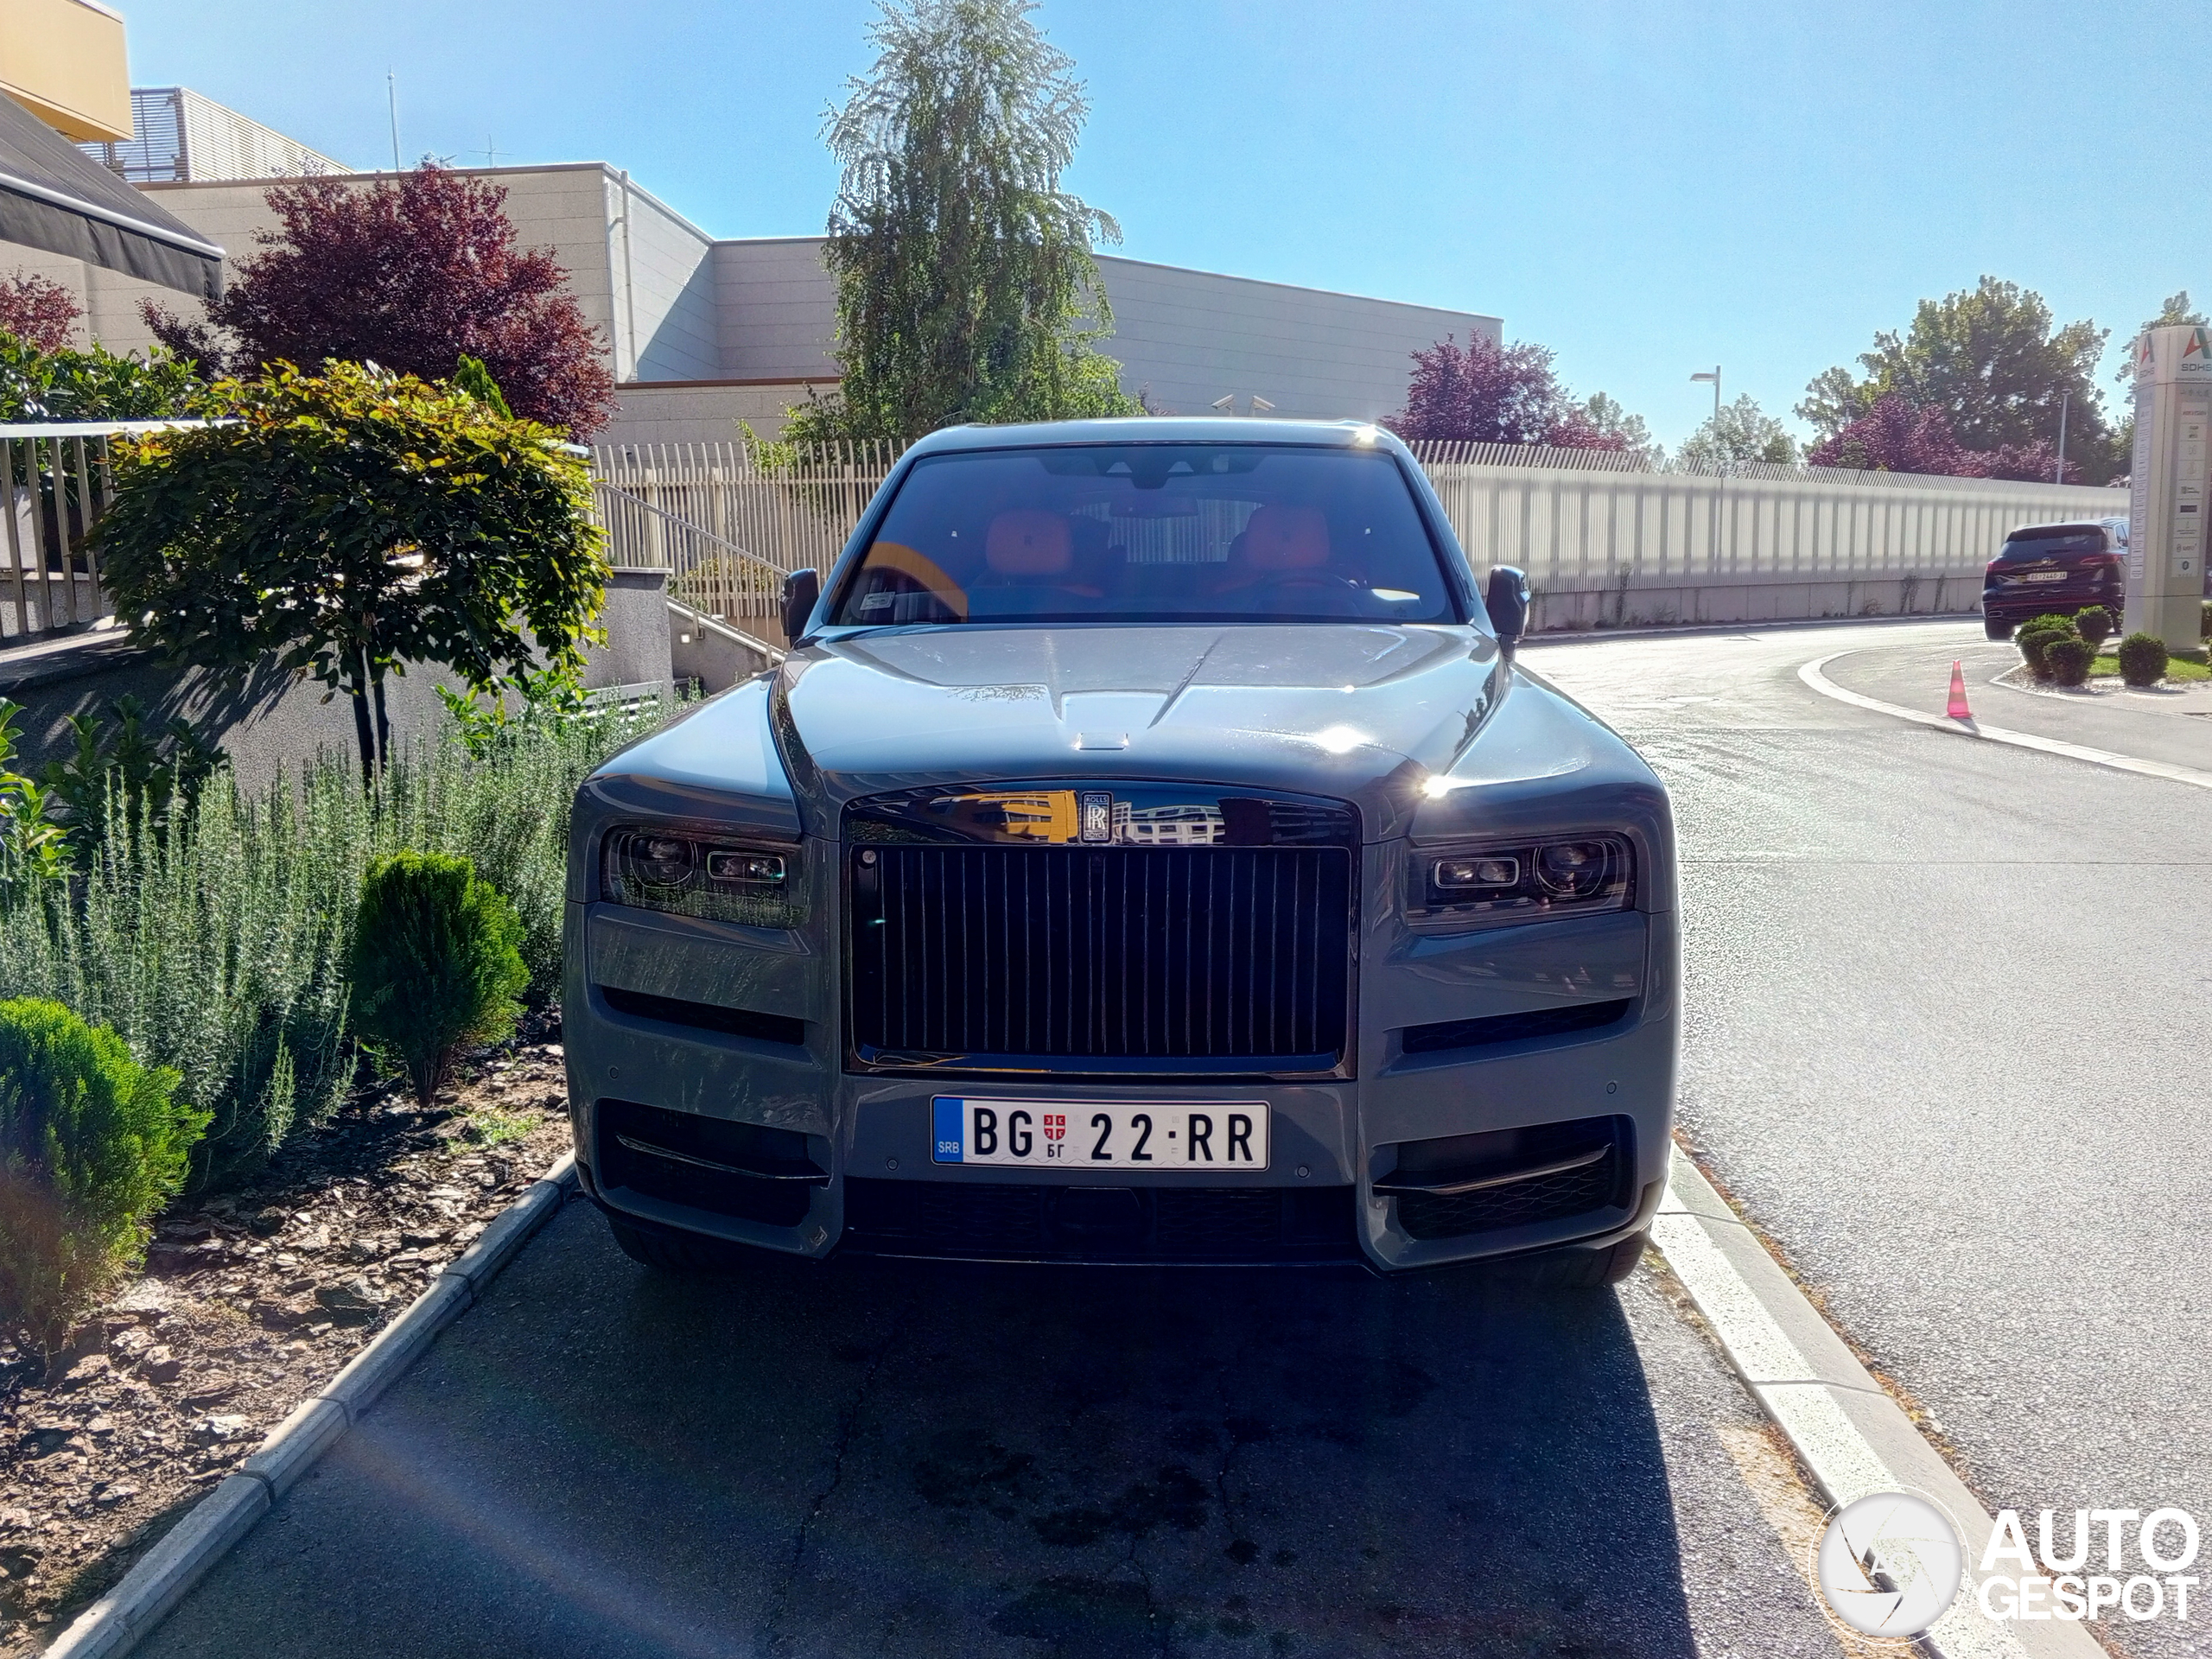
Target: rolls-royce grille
1134, 958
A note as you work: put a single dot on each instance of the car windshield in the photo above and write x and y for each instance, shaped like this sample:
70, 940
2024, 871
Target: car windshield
1148, 533
2044, 544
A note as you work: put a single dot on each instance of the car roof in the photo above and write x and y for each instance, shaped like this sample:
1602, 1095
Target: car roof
2037, 532
1162, 429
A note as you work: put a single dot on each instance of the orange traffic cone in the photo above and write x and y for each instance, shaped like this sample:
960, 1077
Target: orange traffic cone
1958, 711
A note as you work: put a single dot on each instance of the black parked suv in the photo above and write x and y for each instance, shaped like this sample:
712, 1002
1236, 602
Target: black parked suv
2062, 568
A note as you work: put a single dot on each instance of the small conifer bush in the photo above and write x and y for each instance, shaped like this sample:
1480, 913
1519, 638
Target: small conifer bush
436, 964
93, 1144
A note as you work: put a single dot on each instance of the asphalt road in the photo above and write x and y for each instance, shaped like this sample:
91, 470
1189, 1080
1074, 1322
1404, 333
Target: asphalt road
1911, 668
915, 1460
1947, 1011
1947, 1008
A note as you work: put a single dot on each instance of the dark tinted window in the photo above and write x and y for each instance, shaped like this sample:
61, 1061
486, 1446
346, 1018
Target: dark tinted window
2047, 543
1150, 532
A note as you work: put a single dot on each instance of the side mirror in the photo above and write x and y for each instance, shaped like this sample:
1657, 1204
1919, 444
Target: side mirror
802, 590
1508, 602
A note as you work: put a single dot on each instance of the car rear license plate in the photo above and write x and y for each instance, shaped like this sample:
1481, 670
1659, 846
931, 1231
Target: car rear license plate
1195, 1137
2046, 575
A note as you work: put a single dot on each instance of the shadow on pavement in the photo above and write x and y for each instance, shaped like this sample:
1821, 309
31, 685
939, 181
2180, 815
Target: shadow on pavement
916, 1459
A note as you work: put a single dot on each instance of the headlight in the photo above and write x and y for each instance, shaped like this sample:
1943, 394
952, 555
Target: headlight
1528, 880
689, 876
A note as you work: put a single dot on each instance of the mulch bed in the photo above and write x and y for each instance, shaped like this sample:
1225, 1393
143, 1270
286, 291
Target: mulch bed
250, 1300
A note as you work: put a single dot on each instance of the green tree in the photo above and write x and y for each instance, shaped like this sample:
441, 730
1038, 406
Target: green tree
1611, 421
966, 289
353, 522
1740, 432
1992, 359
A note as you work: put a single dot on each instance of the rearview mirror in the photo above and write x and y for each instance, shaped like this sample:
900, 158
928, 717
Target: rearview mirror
802, 588
1508, 603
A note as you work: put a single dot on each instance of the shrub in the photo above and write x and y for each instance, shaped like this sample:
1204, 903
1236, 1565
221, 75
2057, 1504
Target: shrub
2068, 659
434, 963
2094, 623
92, 1145
2142, 659
222, 951
31, 843
154, 772
2033, 636
2206, 625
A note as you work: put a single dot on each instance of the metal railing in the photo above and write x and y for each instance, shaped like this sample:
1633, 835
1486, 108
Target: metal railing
728, 520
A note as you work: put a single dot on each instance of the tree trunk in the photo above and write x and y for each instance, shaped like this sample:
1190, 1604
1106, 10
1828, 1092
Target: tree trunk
364, 735
384, 722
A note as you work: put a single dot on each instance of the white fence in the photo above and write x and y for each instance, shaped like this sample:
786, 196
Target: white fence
1605, 546
1605, 543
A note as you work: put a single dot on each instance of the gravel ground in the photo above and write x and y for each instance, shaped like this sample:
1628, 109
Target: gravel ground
250, 1300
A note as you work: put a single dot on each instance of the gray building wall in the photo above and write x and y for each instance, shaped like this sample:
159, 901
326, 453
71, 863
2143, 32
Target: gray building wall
669, 322
779, 309
1184, 338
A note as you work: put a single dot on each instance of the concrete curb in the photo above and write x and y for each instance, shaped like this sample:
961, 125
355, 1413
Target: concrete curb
1852, 1434
119, 1620
1810, 673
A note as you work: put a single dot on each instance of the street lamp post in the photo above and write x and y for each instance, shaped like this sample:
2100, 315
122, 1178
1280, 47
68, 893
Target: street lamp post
1720, 470
2059, 473
1715, 378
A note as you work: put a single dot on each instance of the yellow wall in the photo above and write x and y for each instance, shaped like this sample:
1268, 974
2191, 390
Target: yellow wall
64, 61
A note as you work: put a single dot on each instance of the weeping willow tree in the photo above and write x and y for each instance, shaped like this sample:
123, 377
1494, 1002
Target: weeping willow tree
966, 289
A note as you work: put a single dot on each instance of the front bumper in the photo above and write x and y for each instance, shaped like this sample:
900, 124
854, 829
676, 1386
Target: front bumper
869, 1136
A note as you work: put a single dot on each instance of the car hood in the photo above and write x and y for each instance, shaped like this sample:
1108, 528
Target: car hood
1364, 713
1427, 731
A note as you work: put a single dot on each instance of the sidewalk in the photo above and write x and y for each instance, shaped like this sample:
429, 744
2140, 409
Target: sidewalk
2174, 725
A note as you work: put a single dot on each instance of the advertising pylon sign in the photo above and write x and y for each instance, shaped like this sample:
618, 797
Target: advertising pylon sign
2166, 511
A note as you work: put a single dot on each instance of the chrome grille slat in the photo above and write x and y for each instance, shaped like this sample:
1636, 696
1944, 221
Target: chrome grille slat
1112, 955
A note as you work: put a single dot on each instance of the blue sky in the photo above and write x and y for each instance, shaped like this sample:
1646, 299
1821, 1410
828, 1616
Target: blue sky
1647, 189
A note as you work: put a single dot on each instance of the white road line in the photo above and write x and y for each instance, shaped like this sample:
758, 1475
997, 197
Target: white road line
1810, 673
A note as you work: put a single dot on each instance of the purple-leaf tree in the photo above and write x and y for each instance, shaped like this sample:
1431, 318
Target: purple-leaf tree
1894, 436
38, 310
412, 274
1486, 393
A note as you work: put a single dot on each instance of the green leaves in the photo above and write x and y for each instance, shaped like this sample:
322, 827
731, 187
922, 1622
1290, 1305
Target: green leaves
1990, 358
349, 523
966, 290
435, 964
92, 385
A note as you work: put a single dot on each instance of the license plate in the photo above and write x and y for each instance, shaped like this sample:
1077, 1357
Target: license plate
1188, 1136
2045, 576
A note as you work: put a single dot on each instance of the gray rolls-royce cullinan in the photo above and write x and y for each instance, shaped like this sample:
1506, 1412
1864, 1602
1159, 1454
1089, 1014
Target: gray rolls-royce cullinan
1149, 852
